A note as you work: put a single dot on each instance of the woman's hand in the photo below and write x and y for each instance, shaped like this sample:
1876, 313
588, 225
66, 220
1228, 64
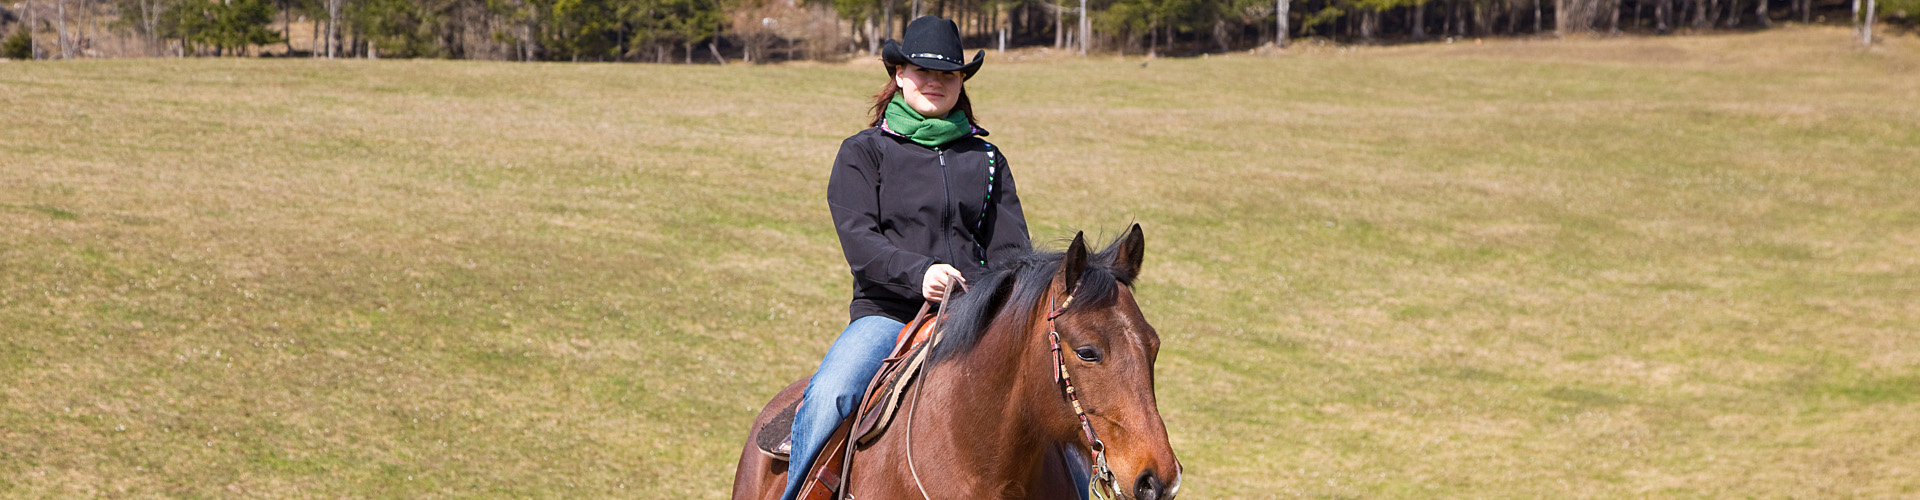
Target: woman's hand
934, 286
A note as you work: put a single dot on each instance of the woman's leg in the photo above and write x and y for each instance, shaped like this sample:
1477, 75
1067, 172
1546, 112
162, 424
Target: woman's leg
835, 390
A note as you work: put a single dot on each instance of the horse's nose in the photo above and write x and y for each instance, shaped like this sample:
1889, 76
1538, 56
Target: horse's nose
1148, 487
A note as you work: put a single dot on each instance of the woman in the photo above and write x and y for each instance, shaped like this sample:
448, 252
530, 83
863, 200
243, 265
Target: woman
918, 199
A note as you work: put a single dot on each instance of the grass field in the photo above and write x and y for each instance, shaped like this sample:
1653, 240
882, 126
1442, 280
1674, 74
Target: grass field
1674, 267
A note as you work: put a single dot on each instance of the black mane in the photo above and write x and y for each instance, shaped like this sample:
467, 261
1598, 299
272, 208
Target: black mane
1015, 288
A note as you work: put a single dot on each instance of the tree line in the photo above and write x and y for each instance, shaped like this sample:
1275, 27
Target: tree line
707, 31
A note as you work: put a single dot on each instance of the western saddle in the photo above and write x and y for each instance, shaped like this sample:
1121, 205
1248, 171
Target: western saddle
828, 478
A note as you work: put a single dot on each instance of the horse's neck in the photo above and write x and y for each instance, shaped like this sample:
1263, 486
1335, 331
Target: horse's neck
994, 414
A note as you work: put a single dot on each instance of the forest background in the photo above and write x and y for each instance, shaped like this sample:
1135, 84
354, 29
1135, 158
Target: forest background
716, 31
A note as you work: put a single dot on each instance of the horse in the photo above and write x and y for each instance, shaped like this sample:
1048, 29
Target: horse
1043, 367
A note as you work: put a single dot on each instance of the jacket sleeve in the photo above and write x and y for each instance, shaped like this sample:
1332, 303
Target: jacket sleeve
853, 195
1008, 238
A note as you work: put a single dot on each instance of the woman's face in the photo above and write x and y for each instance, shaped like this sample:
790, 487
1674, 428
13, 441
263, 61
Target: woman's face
932, 93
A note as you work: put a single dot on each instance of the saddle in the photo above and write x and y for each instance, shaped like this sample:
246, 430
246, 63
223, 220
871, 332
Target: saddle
881, 401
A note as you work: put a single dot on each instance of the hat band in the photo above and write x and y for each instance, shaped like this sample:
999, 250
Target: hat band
937, 57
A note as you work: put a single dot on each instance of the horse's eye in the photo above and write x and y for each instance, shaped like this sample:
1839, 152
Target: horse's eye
1088, 354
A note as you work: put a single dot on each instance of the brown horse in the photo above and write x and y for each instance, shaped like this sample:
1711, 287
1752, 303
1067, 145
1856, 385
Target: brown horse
991, 418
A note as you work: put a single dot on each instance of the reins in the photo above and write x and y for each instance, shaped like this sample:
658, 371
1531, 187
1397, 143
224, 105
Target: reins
914, 406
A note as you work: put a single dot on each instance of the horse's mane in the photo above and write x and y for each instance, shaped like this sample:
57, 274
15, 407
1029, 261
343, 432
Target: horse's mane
1015, 288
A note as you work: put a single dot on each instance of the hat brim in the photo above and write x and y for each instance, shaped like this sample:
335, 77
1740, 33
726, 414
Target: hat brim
891, 54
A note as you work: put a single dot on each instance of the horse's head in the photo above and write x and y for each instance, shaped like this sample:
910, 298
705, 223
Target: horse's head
1002, 330
1109, 350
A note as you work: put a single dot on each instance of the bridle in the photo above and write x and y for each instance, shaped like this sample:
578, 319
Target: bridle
1101, 485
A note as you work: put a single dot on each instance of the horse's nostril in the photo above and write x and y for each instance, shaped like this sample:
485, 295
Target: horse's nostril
1147, 487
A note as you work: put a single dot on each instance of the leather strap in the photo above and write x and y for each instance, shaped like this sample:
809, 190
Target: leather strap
1101, 484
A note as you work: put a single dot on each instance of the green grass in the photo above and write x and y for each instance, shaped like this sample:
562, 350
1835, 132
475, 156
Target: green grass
1671, 267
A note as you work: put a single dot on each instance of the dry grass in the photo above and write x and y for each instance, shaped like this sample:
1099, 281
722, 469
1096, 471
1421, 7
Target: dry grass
1677, 267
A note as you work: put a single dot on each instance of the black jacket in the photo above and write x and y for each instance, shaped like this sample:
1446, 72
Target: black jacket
900, 207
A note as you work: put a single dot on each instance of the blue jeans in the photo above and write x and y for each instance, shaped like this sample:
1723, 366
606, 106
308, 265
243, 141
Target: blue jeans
835, 390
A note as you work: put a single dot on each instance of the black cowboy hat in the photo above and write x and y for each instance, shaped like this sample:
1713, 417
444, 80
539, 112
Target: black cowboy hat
933, 43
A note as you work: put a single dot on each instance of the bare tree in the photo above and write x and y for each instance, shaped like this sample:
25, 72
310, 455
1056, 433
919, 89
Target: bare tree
1060, 25
1280, 36
1662, 16
886, 22
1560, 9
1613, 22
60, 24
1086, 28
333, 27
1536, 17
1419, 22
1866, 28
150, 21
33, 46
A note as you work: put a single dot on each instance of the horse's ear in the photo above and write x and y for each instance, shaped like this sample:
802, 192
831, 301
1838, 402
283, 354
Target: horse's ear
1127, 253
1074, 263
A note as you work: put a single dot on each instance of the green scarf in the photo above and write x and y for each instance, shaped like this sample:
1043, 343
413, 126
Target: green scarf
930, 132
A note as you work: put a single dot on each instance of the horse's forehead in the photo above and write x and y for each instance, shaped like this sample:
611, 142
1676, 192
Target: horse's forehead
1126, 313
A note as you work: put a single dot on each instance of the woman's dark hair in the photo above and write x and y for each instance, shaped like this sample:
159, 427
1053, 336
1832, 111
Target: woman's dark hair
887, 91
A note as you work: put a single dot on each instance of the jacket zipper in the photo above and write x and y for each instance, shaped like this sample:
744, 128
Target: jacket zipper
946, 211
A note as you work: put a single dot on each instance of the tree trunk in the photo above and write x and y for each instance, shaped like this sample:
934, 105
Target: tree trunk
151, 19
333, 28
873, 42
1420, 22
1732, 14
1153, 41
999, 31
1220, 35
286, 26
1560, 17
33, 45
1760, 14
886, 22
1511, 14
1060, 26
1465, 20
1613, 22
1086, 28
714, 47
1700, 22
1479, 19
1663, 16
90, 26
1536, 17
60, 24
1866, 26
1280, 31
